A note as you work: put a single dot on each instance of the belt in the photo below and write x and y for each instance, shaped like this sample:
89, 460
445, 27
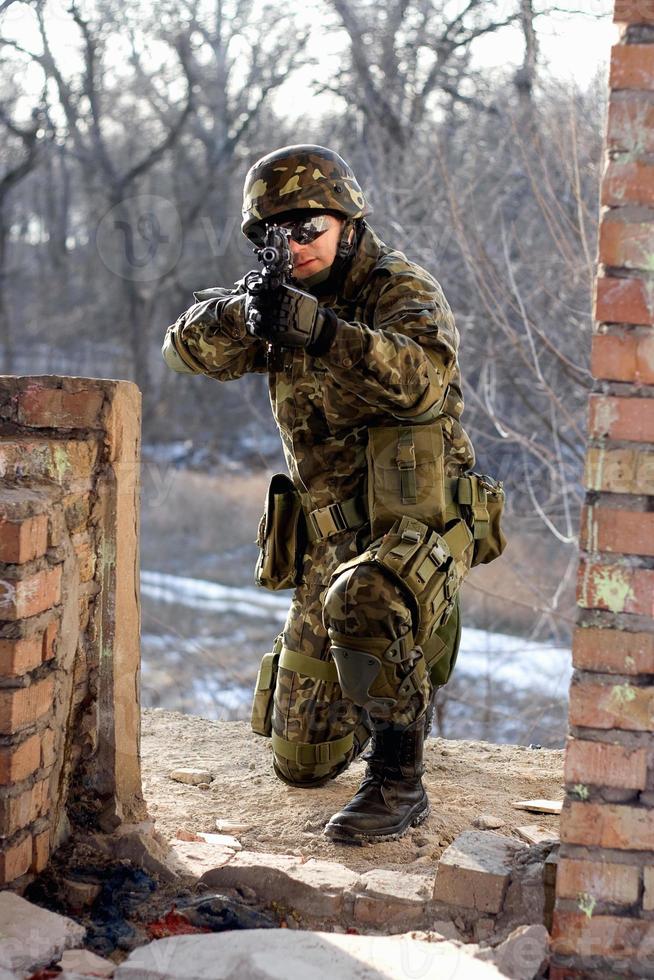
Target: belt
344, 515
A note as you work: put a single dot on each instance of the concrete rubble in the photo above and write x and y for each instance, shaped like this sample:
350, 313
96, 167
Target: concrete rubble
474, 871
522, 955
83, 962
491, 885
286, 955
484, 886
194, 777
31, 937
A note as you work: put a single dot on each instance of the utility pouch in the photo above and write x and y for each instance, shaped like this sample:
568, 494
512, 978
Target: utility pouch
264, 690
427, 565
484, 497
405, 475
282, 537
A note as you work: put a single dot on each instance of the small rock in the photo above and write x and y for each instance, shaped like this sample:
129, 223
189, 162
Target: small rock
446, 929
483, 928
84, 962
232, 826
204, 786
145, 851
30, 937
197, 857
535, 834
221, 840
191, 776
186, 835
522, 954
486, 821
79, 894
252, 765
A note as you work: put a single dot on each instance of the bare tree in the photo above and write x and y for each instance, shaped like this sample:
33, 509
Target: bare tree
21, 144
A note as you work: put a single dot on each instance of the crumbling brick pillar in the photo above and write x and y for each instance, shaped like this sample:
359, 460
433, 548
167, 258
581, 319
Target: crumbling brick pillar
69, 614
604, 918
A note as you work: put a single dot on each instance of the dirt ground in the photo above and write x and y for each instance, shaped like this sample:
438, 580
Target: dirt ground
464, 779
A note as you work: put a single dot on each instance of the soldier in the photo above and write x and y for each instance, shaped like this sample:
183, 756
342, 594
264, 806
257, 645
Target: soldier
365, 389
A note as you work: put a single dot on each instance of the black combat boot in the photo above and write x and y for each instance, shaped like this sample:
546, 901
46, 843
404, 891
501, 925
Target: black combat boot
391, 797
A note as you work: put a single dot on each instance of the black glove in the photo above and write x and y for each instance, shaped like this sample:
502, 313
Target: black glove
220, 311
289, 317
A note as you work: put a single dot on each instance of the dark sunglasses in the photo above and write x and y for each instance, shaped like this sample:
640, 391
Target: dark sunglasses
303, 232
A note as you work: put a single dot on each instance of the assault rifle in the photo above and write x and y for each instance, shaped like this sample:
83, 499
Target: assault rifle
264, 287
275, 310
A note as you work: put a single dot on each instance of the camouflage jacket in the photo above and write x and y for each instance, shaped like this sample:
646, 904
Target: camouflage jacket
394, 357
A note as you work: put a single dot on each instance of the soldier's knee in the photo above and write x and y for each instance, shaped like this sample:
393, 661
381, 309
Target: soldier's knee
337, 597
302, 777
365, 599
312, 763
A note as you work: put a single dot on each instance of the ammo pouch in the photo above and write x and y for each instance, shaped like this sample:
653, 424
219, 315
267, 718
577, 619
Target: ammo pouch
484, 498
405, 475
281, 537
427, 565
264, 689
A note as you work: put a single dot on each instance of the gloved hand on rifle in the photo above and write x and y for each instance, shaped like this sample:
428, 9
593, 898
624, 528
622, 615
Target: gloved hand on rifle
279, 313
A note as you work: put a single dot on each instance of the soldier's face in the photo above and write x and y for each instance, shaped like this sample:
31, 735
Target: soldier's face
318, 254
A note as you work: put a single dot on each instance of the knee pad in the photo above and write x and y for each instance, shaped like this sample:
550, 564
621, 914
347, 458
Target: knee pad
359, 662
314, 763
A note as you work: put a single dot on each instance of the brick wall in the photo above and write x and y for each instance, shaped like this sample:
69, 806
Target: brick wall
69, 616
604, 918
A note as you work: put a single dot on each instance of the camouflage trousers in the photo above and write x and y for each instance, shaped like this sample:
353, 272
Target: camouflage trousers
317, 730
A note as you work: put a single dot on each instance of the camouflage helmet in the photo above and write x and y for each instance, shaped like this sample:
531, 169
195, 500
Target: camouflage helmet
300, 177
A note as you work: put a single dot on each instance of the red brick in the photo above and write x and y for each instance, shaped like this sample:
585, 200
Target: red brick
631, 419
20, 811
623, 357
632, 67
22, 541
19, 761
625, 532
576, 934
624, 242
613, 651
77, 508
614, 587
49, 640
85, 551
614, 357
67, 462
625, 828
604, 880
49, 408
15, 860
25, 705
619, 470
17, 657
40, 852
599, 764
56, 527
648, 893
621, 706
47, 748
631, 122
633, 12
623, 301
29, 596
628, 183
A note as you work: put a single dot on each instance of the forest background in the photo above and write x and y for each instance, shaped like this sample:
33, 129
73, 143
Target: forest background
125, 132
